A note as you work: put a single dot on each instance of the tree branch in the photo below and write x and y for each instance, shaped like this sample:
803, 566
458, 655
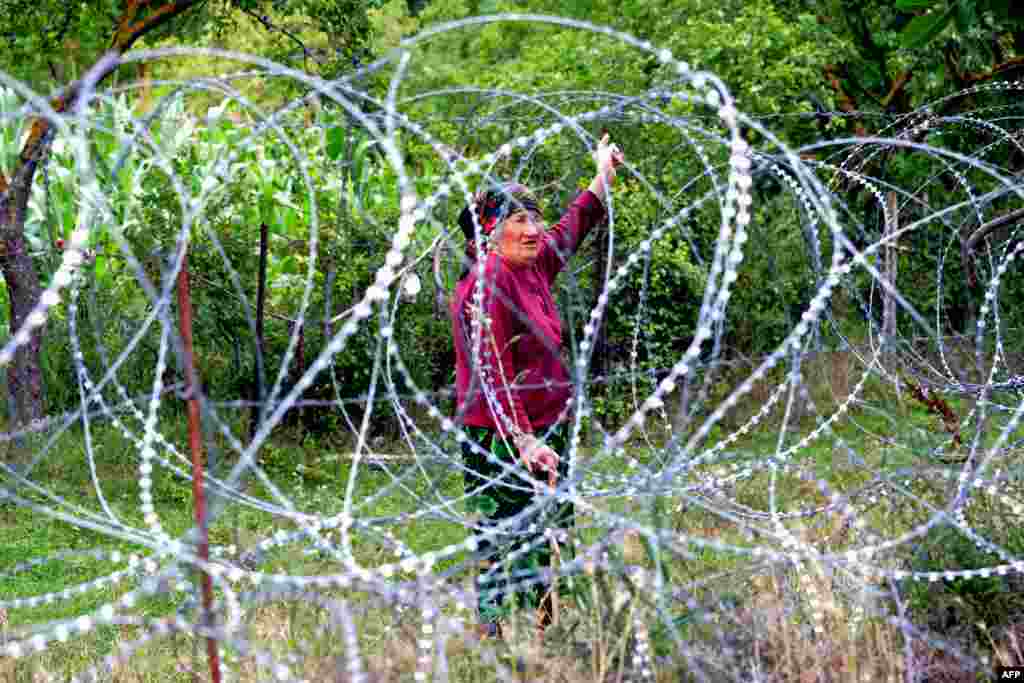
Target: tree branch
127, 33
968, 246
898, 87
124, 22
940, 407
997, 49
965, 79
997, 71
130, 31
267, 24
846, 102
951, 57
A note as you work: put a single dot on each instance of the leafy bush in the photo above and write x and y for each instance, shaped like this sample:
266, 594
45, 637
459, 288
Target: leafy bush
977, 604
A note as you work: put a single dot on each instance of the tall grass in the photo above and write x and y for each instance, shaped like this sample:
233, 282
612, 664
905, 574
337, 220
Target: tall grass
686, 605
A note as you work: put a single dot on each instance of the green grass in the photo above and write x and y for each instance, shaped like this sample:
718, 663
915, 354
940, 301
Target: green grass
314, 479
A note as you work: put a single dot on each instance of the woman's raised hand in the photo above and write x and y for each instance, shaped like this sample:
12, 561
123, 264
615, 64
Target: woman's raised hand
608, 157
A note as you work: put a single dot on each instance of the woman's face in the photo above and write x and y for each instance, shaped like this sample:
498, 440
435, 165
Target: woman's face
520, 238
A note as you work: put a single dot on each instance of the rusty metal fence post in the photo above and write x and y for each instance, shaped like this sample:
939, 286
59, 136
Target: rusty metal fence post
196, 446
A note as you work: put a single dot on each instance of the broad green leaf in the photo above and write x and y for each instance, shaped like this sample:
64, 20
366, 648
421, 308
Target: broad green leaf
364, 184
289, 265
911, 5
335, 142
359, 162
921, 30
101, 269
292, 225
964, 15
70, 213
485, 505
267, 202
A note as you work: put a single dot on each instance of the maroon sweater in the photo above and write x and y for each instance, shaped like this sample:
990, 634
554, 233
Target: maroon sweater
520, 354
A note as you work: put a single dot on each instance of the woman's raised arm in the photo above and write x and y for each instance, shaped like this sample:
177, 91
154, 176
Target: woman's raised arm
586, 211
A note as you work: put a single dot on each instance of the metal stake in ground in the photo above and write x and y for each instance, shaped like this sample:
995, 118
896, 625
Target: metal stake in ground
196, 446
261, 297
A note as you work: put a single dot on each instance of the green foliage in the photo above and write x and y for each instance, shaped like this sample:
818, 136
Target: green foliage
980, 603
895, 56
771, 54
775, 59
54, 42
925, 27
53, 39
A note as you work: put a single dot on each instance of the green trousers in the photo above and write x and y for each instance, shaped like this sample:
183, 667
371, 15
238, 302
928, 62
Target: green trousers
511, 566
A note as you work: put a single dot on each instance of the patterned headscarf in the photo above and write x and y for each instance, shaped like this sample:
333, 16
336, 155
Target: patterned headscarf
492, 207
495, 205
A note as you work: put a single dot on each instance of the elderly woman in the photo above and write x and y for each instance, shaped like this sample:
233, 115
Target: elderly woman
513, 392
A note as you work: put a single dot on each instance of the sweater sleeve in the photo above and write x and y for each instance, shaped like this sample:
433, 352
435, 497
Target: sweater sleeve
565, 237
498, 360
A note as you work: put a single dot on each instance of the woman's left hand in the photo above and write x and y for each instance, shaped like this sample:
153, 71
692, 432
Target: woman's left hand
609, 157
537, 457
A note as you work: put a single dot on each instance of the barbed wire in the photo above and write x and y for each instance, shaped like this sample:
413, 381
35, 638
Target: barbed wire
700, 460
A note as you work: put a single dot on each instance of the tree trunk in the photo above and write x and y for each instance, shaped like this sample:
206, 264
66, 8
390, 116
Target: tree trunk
890, 309
891, 271
24, 374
